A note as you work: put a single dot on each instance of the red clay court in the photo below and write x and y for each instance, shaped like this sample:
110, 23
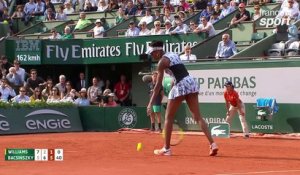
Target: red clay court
89, 153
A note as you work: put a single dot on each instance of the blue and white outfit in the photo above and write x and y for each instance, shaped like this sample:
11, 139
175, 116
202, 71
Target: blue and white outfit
183, 83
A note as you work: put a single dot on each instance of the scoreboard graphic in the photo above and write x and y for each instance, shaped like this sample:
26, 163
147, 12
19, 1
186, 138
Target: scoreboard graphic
24, 154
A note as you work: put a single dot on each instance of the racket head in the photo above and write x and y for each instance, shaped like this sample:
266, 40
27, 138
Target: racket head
177, 134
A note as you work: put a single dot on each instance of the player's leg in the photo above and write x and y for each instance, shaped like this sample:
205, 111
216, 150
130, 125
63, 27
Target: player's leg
172, 107
192, 101
230, 115
152, 119
242, 116
158, 118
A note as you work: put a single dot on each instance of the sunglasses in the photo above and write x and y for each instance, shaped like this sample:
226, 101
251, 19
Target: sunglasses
22, 91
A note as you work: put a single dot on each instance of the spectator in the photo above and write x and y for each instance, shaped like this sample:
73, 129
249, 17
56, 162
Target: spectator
108, 85
82, 22
61, 15
94, 92
14, 79
54, 96
67, 33
168, 6
29, 10
111, 101
34, 81
62, 84
69, 94
104, 97
167, 16
82, 100
49, 4
50, 16
37, 95
157, 29
213, 18
132, 30
289, 11
122, 91
207, 12
5, 64
3, 4
226, 48
39, 8
113, 5
81, 82
217, 9
292, 30
47, 91
199, 4
157, 16
181, 27
22, 97
68, 8
184, 4
102, 6
206, 27
257, 12
168, 26
55, 34
226, 9
144, 30
147, 18
147, 4
121, 16
181, 15
104, 24
19, 13
6, 90
140, 10
191, 12
192, 26
157, 3
20, 71
130, 9
98, 30
242, 15
89, 7
188, 56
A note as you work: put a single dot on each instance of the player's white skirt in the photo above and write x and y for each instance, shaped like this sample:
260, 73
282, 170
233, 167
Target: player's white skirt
186, 86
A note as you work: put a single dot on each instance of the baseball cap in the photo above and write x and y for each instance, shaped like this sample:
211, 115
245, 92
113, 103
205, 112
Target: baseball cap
229, 83
209, 4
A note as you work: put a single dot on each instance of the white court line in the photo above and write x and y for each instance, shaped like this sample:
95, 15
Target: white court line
262, 172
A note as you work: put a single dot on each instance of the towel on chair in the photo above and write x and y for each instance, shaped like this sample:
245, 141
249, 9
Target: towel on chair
268, 102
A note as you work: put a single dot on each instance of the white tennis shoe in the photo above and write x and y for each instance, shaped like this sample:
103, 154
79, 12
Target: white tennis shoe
213, 149
163, 152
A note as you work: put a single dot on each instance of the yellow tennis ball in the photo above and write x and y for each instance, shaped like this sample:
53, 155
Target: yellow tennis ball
139, 146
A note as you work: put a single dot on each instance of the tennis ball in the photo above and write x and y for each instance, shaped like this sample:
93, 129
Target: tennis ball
139, 146
5, 22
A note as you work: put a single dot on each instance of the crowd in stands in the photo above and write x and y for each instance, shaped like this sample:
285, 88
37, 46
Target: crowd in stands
16, 85
169, 20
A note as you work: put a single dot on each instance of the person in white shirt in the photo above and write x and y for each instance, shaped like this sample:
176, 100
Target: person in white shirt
168, 26
205, 26
55, 34
98, 29
188, 56
147, 18
144, 30
181, 27
102, 6
157, 29
132, 30
226, 9
68, 8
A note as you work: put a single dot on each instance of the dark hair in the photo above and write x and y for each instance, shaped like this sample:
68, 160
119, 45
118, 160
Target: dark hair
157, 43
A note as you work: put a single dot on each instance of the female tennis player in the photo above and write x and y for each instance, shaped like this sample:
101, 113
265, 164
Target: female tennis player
184, 88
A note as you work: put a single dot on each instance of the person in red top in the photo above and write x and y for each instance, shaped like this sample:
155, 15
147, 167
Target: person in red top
234, 104
122, 90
